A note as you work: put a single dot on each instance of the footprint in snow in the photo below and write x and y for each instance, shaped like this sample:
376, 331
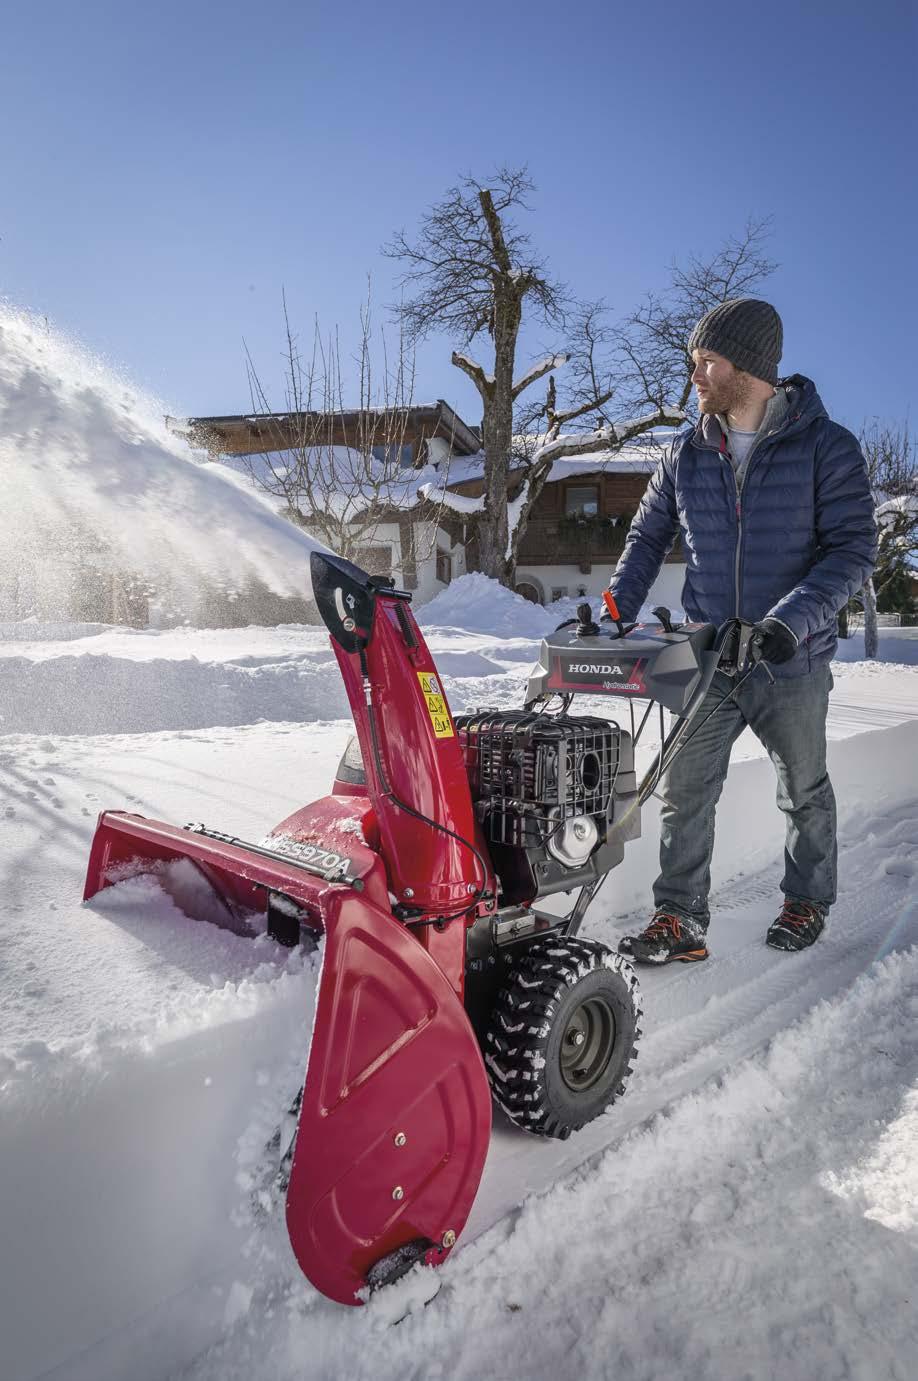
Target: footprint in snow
718, 1206
899, 867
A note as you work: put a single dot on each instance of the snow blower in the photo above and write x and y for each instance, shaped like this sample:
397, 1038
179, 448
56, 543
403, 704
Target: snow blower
442, 982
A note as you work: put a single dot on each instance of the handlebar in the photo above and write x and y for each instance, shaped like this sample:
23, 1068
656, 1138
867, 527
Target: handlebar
737, 651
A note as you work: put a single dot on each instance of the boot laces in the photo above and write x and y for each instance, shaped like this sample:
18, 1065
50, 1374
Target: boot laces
664, 924
797, 915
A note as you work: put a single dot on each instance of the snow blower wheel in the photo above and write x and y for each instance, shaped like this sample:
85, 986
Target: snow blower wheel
563, 1034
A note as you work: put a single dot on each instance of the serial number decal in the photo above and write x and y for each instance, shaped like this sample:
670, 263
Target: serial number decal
308, 853
436, 705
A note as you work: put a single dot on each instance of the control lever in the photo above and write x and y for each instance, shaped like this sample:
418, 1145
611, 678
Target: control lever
608, 600
664, 618
586, 628
740, 643
755, 654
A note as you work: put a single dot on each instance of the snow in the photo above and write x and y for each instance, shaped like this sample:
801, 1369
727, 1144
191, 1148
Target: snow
749, 1209
93, 482
129, 1010
471, 366
351, 480
535, 371
896, 645
478, 604
458, 503
514, 514
893, 511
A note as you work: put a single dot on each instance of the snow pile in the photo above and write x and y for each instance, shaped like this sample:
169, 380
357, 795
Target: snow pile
95, 486
476, 603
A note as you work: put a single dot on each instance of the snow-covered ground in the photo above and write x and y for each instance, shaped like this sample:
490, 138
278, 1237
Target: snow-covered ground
750, 1209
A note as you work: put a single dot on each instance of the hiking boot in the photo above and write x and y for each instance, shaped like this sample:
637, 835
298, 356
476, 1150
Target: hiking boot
799, 924
669, 936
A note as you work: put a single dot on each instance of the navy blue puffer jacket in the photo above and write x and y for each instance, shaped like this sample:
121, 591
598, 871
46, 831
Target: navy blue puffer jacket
794, 542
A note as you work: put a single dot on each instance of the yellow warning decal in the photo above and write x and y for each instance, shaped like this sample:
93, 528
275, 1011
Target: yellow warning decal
436, 705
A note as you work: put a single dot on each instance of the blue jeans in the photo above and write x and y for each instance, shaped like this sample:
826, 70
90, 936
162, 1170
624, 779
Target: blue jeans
789, 718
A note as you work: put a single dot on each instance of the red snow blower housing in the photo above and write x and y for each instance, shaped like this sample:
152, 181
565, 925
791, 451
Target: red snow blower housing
441, 981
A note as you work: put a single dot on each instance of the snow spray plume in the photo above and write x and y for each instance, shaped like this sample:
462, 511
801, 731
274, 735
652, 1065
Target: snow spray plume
94, 487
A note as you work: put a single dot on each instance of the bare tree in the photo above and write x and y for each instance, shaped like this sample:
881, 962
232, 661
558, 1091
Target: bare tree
655, 364
891, 453
472, 273
339, 492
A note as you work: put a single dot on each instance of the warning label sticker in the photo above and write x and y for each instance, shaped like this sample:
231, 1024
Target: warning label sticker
436, 705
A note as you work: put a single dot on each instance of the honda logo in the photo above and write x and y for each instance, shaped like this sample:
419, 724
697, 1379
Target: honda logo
594, 669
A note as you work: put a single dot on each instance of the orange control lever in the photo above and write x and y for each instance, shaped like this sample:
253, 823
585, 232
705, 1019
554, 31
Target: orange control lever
609, 601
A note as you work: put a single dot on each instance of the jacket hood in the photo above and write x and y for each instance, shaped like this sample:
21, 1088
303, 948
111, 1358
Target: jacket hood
804, 405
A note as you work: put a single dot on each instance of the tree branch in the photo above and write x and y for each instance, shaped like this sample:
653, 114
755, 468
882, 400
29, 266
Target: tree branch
537, 371
482, 381
611, 438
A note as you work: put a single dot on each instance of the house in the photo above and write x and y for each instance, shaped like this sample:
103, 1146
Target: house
575, 532
422, 543
578, 525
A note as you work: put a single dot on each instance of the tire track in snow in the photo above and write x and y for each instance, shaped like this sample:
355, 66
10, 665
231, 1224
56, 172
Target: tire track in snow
701, 1019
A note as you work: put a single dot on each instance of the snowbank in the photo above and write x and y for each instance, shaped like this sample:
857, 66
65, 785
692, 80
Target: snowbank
475, 603
897, 645
119, 681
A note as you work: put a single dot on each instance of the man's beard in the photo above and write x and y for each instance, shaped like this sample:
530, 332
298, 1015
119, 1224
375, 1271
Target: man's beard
729, 396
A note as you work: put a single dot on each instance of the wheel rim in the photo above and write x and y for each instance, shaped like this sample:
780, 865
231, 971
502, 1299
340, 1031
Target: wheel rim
587, 1044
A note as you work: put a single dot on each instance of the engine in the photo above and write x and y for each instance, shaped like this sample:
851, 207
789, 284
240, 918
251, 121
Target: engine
555, 793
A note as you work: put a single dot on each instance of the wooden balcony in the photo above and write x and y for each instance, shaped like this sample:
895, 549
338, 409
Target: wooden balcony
554, 541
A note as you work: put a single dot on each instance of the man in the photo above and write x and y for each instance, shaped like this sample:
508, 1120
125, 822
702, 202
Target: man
774, 507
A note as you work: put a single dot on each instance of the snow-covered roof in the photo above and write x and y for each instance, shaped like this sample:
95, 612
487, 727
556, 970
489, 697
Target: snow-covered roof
353, 480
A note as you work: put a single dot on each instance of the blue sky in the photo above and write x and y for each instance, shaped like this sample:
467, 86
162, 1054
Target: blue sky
167, 169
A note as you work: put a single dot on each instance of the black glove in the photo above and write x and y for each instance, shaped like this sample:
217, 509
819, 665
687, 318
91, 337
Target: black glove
775, 640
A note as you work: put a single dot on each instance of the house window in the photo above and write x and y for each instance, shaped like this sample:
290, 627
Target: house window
444, 566
581, 500
393, 454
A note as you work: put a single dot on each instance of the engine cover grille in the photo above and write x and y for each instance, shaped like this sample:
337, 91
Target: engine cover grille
532, 772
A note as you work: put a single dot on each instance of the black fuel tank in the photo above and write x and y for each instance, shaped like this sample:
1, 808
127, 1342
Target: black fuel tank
647, 663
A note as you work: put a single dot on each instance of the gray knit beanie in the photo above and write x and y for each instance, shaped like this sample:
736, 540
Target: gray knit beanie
747, 332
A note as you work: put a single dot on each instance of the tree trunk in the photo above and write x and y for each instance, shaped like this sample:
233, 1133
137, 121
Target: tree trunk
871, 633
497, 427
843, 623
